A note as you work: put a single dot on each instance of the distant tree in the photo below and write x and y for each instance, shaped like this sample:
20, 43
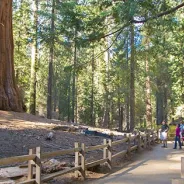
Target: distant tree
34, 53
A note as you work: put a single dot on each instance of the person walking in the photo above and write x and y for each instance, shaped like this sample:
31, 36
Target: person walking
163, 133
177, 137
181, 131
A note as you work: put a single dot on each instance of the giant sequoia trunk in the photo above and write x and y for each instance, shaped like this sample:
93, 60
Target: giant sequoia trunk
9, 93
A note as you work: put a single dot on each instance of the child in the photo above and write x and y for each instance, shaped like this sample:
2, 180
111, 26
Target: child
177, 137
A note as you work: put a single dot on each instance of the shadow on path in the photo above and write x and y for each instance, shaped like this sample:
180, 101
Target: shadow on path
150, 167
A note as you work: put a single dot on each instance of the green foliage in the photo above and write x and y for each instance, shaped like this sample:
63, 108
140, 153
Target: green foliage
101, 83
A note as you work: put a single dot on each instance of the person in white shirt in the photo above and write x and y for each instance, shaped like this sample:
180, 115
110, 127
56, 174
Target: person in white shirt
163, 133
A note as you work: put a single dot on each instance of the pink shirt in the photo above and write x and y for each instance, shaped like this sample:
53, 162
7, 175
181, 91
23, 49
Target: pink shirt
177, 131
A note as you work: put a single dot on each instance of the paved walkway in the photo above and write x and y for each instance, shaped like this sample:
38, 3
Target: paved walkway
158, 166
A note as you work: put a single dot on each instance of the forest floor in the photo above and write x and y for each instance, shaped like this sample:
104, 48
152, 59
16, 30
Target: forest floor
21, 131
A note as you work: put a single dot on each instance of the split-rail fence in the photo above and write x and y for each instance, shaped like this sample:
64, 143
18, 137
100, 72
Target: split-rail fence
136, 142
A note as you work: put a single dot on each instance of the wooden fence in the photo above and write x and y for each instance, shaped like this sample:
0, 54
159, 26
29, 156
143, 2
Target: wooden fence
35, 156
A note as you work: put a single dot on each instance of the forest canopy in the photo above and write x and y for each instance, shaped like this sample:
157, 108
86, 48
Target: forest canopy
108, 63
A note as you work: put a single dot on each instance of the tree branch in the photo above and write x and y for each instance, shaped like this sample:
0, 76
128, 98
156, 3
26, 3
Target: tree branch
145, 20
160, 14
118, 31
98, 55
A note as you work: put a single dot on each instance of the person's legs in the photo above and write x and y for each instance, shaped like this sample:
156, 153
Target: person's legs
163, 146
165, 140
179, 141
175, 142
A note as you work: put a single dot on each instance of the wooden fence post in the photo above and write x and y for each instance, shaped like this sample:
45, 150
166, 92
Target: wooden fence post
182, 167
153, 138
139, 141
83, 165
31, 164
135, 134
149, 140
129, 144
145, 141
105, 149
76, 159
125, 135
38, 165
110, 154
180, 180
158, 136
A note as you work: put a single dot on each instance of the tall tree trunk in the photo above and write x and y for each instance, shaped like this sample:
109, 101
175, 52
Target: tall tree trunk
92, 88
18, 52
9, 94
119, 106
159, 103
148, 96
74, 99
106, 116
159, 108
49, 95
132, 81
55, 99
55, 76
127, 101
32, 102
165, 104
120, 112
69, 98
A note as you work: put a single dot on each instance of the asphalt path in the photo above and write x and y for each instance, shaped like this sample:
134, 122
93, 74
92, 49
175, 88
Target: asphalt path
158, 166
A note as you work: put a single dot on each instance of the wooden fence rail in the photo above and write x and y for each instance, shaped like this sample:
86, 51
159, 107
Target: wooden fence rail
35, 156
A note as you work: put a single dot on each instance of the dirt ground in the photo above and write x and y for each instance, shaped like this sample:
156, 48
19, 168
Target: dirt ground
21, 131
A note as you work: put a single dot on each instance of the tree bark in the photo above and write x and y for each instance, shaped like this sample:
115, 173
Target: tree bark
132, 81
49, 95
34, 53
92, 88
148, 95
106, 116
69, 98
119, 106
127, 101
55, 104
159, 103
120, 111
74, 94
9, 93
